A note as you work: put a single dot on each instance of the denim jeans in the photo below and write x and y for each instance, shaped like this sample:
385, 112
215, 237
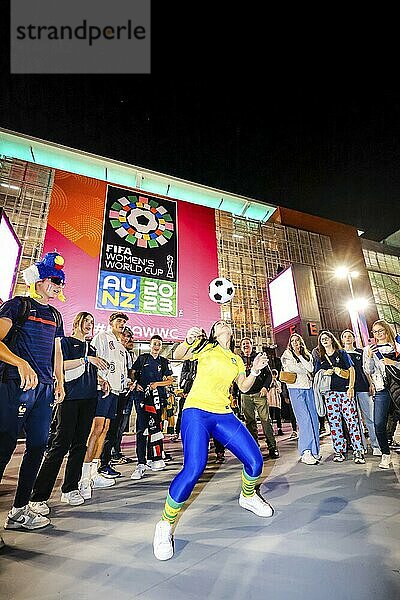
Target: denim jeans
366, 404
381, 408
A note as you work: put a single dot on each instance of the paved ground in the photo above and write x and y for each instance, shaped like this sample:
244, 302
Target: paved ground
335, 535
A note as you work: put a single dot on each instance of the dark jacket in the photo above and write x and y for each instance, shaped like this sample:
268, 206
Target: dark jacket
263, 380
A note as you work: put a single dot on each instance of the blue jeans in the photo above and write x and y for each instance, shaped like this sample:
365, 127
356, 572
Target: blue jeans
303, 405
30, 410
366, 405
381, 408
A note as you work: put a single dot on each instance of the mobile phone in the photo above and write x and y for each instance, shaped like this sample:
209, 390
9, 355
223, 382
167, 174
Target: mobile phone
376, 351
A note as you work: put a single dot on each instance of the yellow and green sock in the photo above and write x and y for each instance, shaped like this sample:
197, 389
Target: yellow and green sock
248, 484
171, 510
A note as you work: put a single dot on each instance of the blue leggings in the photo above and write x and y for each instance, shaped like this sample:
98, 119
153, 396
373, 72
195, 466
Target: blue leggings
196, 428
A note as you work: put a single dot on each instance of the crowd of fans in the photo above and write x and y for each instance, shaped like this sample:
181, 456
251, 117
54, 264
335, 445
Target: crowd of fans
73, 396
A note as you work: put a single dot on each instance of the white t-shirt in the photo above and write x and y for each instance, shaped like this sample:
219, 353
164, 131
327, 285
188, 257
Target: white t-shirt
111, 349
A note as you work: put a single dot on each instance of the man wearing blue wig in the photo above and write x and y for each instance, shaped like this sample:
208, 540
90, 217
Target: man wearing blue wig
31, 378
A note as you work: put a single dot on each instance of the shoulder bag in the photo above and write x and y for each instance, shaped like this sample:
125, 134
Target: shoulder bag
344, 373
287, 377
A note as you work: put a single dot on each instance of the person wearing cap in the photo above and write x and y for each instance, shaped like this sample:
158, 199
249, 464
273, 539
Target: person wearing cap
30, 379
111, 383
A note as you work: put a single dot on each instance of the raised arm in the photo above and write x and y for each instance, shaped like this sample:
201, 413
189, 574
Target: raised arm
184, 350
245, 383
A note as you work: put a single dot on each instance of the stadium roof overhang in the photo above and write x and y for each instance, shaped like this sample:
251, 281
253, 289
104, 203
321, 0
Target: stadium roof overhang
56, 156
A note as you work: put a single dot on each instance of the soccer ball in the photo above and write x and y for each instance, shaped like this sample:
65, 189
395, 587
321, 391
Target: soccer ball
221, 290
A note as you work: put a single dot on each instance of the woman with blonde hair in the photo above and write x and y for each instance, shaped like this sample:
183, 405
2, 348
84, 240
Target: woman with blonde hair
297, 359
74, 418
378, 355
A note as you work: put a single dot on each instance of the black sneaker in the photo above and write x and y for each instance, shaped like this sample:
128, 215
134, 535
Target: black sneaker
280, 432
122, 460
220, 458
273, 453
167, 457
358, 458
109, 472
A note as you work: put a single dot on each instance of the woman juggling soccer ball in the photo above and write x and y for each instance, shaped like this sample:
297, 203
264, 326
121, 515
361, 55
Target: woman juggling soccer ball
207, 412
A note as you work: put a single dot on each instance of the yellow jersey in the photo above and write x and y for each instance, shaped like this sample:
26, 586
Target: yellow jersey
216, 370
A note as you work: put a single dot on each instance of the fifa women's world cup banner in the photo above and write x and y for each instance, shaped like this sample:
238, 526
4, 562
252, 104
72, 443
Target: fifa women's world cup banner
122, 252
138, 268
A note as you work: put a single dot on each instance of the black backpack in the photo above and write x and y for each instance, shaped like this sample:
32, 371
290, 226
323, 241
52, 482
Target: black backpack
188, 373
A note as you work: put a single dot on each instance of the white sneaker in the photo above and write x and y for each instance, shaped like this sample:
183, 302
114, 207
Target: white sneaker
385, 462
307, 458
376, 451
73, 498
138, 472
257, 505
163, 543
156, 465
25, 518
85, 489
40, 508
98, 481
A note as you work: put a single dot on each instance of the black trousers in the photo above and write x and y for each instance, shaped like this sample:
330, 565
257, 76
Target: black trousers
275, 414
111, 440
181, 404
73, 420
219, 448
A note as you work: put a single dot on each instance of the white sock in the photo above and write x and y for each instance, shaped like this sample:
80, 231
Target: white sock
15, 510
95, 466
86, 471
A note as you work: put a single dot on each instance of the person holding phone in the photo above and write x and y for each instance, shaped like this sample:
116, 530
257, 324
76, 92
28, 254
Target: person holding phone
381, 352
297, 359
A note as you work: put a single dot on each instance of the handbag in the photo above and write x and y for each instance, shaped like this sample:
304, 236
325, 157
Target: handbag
78, 371
287, 377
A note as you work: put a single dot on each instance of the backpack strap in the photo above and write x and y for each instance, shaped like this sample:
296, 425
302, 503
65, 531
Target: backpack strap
11, 337
57, 316
23, 314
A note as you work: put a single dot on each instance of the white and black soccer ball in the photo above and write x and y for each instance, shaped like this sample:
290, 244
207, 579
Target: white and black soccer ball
221, 290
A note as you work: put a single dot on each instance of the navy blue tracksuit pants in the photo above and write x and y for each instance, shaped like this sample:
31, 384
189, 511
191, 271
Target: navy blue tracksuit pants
30, 410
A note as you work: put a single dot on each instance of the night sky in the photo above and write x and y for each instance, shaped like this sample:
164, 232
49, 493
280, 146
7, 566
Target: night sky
216, 114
